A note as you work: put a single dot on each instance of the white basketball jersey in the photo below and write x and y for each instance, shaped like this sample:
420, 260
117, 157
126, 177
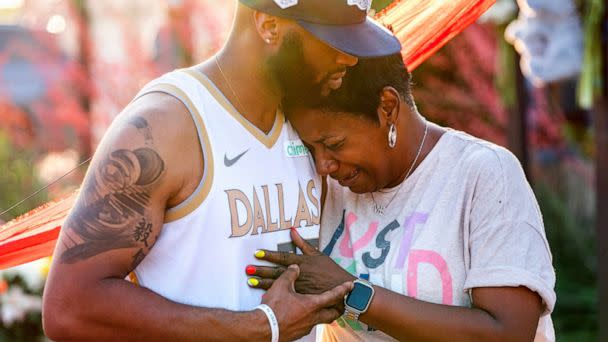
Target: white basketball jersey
255, 187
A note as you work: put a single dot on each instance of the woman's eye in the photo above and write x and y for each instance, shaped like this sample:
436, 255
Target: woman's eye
335, 147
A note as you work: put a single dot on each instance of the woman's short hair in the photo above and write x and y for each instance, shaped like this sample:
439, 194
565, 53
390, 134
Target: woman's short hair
361, 88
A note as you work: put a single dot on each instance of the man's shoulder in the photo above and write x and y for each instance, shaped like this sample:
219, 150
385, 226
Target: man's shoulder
162, 109
159, 102
159, 123
154, 120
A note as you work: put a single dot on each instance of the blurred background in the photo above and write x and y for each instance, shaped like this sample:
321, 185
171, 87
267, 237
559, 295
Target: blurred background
528, 75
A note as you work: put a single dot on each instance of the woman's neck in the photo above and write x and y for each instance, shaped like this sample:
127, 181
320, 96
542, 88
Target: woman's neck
418, 137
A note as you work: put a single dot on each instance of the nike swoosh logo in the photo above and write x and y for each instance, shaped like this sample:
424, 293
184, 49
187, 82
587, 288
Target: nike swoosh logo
229, 162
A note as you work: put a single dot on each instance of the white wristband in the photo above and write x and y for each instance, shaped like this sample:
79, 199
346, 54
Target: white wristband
272, 319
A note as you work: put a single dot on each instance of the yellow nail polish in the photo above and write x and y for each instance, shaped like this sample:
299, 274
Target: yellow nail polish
253, 282
260, 254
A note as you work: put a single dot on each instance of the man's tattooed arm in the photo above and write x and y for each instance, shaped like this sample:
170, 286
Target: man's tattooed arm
112, 212
136, 174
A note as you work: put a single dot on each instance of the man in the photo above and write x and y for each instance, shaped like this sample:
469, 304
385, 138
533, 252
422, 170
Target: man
199, 169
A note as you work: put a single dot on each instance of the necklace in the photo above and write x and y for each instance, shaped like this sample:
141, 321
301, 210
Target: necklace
380, 209
217, 62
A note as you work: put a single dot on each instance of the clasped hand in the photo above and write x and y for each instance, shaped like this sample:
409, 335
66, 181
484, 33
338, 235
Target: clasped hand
318, 272
303, 290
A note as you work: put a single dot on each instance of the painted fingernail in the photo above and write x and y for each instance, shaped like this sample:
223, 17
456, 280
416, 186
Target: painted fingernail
250, 270
260, 254
253, 282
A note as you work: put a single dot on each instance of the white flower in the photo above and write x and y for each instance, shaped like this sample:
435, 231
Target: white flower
16, 304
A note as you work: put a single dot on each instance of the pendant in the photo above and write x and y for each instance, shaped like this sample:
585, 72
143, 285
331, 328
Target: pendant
378, 209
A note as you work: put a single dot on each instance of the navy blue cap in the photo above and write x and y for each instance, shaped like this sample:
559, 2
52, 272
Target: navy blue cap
342, 24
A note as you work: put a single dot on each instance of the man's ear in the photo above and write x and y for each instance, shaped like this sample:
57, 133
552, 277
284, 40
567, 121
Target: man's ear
389, 106
267, 26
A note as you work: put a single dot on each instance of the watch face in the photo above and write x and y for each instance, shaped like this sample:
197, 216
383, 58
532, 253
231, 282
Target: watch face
359, 297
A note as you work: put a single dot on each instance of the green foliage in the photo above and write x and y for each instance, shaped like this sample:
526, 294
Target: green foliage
590, 82
571, 237
380, 4
506, 81
17, 178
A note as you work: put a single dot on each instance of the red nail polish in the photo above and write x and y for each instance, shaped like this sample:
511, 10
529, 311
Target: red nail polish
250, 270
293, 228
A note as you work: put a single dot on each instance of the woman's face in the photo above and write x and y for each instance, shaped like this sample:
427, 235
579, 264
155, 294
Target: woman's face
350, 149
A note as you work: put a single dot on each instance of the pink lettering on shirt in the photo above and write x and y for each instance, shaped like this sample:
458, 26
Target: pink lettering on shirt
430, 257
345, 246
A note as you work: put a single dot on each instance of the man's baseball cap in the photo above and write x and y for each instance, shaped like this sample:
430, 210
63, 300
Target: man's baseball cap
342, 24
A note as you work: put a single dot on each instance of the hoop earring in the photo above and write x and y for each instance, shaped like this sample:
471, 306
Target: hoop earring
392, 136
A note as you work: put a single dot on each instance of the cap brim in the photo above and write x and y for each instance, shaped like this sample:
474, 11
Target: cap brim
364, 40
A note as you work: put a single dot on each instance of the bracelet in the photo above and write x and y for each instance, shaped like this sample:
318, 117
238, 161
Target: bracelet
272, 319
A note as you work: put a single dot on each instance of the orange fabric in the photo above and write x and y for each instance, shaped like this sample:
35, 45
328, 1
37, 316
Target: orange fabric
33, 235
423, 27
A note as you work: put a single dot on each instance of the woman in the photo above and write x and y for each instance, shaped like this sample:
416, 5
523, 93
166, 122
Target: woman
444, 225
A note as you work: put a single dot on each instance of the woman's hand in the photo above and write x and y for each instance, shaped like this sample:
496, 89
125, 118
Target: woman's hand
318, 272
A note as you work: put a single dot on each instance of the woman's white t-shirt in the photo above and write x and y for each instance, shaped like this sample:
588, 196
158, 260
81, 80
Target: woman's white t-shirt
465, 218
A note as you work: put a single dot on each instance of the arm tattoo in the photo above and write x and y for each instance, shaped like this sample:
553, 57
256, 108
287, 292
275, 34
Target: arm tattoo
112, 211
142, 231
143, 127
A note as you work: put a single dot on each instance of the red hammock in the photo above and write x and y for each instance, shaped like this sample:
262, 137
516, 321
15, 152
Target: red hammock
423, 27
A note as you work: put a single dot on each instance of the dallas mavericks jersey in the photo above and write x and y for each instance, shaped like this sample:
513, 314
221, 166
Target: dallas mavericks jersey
255, 187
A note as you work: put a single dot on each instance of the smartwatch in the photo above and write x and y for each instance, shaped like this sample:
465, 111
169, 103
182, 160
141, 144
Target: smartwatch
358, 300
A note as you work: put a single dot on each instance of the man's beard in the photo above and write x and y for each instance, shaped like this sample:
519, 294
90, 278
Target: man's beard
288, 68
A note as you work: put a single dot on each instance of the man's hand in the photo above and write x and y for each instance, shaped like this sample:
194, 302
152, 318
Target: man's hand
297, 313
318, 272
